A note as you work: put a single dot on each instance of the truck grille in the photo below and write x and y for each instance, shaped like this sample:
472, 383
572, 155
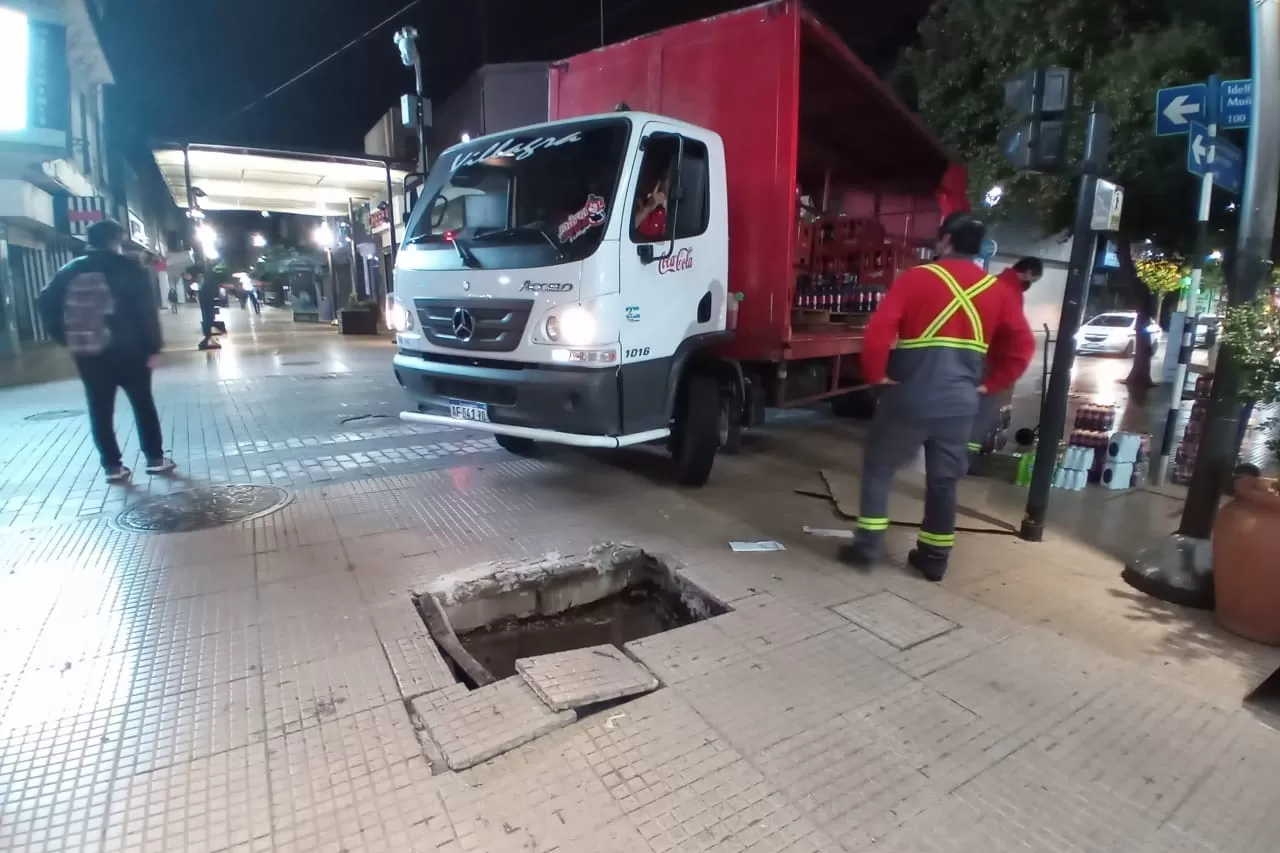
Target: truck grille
478, 325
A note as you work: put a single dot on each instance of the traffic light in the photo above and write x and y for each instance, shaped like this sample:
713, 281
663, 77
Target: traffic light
1040, 99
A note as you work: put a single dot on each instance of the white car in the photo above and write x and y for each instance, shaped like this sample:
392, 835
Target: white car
1114, 333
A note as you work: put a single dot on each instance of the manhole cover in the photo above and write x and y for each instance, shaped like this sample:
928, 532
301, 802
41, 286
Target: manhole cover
203, 508
55, 415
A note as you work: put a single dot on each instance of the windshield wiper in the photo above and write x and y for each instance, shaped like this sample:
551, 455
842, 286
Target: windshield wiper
468, 257
526, 229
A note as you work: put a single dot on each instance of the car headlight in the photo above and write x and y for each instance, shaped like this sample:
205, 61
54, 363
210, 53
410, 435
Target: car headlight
399, 318
575, 326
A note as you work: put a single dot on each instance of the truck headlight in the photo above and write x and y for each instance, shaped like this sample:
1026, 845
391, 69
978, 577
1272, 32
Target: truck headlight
578, 326
399, 318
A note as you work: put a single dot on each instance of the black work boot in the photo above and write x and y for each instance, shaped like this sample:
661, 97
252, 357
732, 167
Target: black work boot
860, 555
929, 561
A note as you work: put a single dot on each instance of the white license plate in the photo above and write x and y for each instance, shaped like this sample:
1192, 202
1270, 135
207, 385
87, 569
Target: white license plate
477, 412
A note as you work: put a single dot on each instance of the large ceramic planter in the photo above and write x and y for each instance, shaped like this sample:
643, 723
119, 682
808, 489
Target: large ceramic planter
1246, 562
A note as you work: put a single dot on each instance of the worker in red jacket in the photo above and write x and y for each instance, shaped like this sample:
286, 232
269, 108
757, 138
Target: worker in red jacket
929, 344
1018, 278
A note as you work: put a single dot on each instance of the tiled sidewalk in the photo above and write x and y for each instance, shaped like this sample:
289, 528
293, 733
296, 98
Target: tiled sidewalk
250, 688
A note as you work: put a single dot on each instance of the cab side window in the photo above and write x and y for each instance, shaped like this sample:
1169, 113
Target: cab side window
693, 213
655, 215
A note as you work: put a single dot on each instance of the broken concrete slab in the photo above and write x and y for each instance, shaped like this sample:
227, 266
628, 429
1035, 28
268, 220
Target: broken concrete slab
470, 727
582, 677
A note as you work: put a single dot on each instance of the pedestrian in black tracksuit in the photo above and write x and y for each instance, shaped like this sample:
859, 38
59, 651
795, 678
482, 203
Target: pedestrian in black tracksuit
102, 308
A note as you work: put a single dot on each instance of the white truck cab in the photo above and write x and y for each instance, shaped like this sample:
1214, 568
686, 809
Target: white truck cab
560, 283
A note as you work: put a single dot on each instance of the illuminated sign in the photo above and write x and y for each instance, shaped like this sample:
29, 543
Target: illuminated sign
379, 220
15, 44
35, 86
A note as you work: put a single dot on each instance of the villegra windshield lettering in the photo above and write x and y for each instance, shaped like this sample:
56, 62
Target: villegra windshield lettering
515, 149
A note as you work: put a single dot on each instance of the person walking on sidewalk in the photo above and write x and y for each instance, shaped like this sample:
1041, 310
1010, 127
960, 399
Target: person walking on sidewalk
942, 316
102, 308
173, 299
208, 296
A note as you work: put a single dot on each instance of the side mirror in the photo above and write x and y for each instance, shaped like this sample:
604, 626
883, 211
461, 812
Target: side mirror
645, 251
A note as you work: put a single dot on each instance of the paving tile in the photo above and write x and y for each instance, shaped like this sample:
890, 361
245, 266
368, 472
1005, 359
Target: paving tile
472, 727
325, 770
418, 665
894, 619
581, 677
689, 652
183, 727
1023, 804
310, 693
1029, 683
1233, 807
201, 806
1143, 740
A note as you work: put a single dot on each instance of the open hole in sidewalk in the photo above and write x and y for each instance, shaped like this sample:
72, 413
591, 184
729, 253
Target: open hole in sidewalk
483, 619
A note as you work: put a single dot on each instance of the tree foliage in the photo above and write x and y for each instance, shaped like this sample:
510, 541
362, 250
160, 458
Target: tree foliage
1161, 275
1122, 51
1252, 331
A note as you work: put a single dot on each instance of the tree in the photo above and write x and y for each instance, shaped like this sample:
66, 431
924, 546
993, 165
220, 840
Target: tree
1162, 277
1122, 51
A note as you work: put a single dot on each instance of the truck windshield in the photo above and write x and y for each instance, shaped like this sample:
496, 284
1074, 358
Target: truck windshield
523, 199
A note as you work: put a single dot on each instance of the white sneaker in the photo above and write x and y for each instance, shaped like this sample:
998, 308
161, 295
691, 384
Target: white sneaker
118, 474
163, 465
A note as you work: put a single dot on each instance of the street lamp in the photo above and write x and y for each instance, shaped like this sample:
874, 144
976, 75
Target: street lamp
258, 241
322, 236
406, 39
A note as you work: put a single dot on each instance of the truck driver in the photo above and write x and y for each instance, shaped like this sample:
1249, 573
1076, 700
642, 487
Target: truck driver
942, 316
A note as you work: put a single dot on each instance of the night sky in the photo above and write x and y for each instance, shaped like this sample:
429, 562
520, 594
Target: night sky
186, 66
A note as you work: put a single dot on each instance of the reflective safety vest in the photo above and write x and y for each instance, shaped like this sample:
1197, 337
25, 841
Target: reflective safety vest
962, 300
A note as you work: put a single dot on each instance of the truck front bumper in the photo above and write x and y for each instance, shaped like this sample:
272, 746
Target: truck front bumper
561, 405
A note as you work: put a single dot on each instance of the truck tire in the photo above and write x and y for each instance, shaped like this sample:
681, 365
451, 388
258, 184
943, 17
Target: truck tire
856, 404
733, 419
697, 430
517, 445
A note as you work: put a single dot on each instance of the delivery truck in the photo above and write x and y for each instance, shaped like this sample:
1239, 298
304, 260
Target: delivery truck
698, 233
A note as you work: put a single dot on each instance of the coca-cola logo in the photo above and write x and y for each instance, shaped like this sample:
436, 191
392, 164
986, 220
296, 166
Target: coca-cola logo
590, 216
677, 262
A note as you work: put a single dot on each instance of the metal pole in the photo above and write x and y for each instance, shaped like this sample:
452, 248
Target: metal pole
1216, 456
391, 218
422, 113
1190, 315
1054, 410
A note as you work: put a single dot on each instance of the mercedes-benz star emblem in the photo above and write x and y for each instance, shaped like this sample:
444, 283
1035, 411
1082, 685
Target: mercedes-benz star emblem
464, 325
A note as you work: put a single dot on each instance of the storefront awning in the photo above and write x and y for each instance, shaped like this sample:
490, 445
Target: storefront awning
224, 178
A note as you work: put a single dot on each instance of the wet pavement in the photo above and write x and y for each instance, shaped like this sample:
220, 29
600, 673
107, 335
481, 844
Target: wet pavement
268, 684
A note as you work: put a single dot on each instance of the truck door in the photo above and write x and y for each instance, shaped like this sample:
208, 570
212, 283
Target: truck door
673, 262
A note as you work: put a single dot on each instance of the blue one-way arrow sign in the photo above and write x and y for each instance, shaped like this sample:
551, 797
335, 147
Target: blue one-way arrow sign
1207, 154
1235, 108
1178, 106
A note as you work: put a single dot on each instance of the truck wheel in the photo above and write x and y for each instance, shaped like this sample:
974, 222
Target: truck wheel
732, 423
697, 430
515, 444
856, 404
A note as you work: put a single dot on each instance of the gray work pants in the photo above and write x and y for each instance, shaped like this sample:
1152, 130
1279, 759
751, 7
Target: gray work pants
985, 423
894, 442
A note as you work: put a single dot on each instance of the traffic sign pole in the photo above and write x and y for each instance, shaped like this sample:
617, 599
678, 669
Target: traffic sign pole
1190, 313
1180, 568
1053, 417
